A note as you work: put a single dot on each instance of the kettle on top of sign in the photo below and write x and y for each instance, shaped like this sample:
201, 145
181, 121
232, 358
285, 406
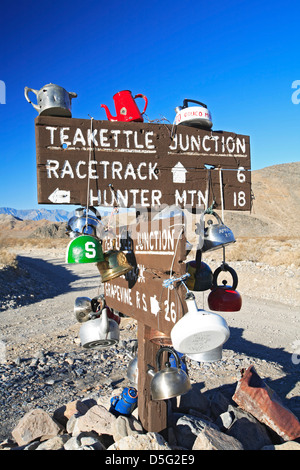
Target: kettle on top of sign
52, 100
126, 107
194, 116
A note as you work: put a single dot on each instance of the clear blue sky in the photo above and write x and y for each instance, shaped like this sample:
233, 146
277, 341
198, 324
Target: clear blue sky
240, 57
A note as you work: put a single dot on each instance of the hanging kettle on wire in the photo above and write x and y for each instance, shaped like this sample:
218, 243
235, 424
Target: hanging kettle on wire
216, 235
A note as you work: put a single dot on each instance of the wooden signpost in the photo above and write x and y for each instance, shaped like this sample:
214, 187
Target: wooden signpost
102, 163
156, 250
147, 165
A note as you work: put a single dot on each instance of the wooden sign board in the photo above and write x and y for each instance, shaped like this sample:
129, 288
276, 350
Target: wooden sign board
148, 165
156, 250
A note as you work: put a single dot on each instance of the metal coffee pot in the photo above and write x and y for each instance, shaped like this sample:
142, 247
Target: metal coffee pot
200, 276
100, 333
52, 100
169, 382
216, 235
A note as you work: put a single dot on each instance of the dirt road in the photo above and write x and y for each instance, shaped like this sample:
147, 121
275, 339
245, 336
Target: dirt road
266, 332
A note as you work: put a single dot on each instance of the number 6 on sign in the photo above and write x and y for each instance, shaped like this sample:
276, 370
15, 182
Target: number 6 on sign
241, 177
170, 311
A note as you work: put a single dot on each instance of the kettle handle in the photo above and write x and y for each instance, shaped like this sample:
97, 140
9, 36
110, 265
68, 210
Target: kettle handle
139, 95
26, 91
227, 268
186, 101
172, 351
214, 214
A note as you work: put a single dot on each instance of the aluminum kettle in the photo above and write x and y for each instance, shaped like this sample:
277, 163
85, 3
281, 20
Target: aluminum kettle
52, 100
169, 382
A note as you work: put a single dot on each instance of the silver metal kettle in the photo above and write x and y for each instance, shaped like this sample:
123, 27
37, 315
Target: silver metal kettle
169, 382
86, 221
216, 235
52, 100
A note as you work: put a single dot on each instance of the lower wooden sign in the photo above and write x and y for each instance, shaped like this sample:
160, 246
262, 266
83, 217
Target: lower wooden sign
147, 301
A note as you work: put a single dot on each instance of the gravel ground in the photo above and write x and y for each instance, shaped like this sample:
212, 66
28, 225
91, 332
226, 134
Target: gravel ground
43, 365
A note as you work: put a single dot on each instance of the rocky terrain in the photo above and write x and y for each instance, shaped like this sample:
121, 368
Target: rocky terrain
44, 367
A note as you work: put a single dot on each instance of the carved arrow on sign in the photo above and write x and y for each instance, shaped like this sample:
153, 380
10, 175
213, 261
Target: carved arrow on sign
60, 196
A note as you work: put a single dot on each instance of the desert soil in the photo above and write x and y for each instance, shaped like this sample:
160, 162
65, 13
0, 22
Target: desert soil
37, 318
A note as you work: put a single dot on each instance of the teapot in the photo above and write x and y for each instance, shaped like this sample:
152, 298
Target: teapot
224, 298
126, 107
52, 100
216, 235
198, 330
99, 333
169, 382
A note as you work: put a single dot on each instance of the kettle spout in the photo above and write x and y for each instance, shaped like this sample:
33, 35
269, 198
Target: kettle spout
104, 322
109, 116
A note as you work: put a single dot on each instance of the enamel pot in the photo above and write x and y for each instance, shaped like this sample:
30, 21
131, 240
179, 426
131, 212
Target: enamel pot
201, 275
224, 298
194, 116
198, 331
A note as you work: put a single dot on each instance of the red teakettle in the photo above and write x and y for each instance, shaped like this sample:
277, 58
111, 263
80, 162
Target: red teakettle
224, 298
126, 107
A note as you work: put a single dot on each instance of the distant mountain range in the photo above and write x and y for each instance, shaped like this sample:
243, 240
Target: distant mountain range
37, 214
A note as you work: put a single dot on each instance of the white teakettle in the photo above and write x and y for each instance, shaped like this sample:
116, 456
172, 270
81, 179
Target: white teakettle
194, 116
198, 331
99, 333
